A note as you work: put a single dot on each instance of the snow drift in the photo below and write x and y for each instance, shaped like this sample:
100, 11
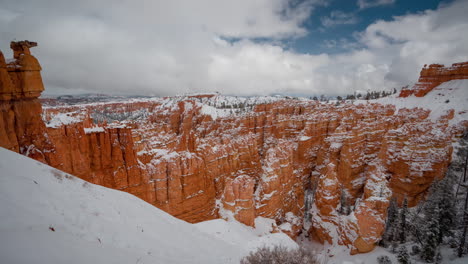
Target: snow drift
49, 216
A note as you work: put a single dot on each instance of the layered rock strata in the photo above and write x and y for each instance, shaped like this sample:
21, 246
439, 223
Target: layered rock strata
433, 75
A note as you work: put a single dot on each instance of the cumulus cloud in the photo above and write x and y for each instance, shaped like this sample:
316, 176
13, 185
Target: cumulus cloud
173, 47
337, 17
429, 37
362, 4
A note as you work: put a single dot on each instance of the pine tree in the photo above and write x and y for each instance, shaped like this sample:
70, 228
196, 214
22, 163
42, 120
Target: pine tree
344, 208
403, 256
431, 234
461, 245
390, 225
464, 225
403, 214
446, 198
368, 96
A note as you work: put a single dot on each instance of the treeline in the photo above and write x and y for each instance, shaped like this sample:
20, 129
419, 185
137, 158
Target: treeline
357, 96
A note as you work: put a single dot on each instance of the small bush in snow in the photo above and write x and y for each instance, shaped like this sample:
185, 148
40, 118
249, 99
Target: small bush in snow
279, 255
415, 250
384, 260
403, 256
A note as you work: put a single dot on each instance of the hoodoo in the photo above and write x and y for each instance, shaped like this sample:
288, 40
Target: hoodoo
21, 127
327, 167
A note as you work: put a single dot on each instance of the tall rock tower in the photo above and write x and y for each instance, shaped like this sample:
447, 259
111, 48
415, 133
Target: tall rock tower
21, 126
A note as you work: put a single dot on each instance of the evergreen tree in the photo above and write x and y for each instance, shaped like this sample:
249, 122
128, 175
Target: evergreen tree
445, 198
403, 256
461, 245
403, 214
463, 154
431, 234
390, 225
343, 204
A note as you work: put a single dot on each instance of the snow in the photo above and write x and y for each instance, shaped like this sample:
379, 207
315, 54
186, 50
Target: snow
89, 130
340, 254
63, 119
449, 95
214, 112
244, 237
94, 224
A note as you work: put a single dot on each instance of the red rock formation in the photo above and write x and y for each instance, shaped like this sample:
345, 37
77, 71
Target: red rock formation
434, 75
21, 127
238, 198
262, 162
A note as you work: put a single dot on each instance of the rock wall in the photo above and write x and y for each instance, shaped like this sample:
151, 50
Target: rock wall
325, 169
434, 75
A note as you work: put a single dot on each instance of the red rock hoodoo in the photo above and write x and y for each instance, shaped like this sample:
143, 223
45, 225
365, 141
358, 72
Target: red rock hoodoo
329, 167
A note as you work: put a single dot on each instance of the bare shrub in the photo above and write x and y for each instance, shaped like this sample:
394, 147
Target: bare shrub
384, 260
280, 255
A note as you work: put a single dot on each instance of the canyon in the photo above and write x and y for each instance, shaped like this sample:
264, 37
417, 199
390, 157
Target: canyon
327, 170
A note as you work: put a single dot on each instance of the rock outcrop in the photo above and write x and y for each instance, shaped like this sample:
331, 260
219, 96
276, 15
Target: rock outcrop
329, 170
21, 127
434, 75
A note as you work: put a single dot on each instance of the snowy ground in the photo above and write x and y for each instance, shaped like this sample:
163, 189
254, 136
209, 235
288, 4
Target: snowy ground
449, 95
340, 254
48, 216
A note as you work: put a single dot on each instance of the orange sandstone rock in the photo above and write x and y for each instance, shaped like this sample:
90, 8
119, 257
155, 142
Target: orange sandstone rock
434, 75
238, 197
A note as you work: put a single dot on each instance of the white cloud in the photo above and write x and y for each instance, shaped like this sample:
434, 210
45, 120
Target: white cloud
337, 17
173, 47
362, 4
428, 37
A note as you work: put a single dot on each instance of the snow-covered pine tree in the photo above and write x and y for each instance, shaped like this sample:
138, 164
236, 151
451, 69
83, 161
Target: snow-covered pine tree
344, 207
463, 155
464, 225
390, 225
446, 200
403, 214
431, 233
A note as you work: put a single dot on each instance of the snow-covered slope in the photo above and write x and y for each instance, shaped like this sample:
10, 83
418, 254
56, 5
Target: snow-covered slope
449, 95
245, 237
48, 216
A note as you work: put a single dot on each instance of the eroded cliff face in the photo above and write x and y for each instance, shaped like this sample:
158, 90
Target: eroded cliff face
329, 170
433, 75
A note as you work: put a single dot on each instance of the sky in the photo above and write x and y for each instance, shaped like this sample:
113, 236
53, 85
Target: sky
242, 47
